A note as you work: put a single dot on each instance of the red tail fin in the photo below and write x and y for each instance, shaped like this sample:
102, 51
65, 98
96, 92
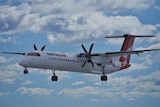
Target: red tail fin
127, 46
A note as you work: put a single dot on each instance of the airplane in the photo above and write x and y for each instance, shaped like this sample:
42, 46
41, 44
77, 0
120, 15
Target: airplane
86, 62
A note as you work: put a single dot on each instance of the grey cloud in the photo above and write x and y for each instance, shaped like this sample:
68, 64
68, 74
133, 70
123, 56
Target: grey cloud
11, 16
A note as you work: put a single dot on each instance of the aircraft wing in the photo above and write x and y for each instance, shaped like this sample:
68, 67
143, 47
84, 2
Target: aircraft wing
17, 53
121, 53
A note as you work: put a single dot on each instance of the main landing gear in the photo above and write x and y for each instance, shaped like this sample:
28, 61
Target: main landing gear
54, 77
103, 77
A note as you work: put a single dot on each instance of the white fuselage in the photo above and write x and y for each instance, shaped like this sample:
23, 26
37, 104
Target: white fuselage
68, 62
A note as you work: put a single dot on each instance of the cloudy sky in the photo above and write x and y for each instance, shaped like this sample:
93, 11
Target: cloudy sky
63, 25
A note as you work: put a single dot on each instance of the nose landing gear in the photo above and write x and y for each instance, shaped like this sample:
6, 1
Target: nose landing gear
25, 71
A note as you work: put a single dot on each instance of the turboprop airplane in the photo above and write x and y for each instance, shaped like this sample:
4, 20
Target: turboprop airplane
86, 62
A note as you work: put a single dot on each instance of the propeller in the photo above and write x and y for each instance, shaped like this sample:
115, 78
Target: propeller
35, 48
88, 55
43, 48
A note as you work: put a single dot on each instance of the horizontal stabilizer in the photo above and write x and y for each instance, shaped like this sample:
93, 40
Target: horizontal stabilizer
129, 35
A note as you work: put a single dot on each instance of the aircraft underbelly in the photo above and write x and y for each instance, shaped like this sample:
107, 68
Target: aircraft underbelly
70, 66
77, 67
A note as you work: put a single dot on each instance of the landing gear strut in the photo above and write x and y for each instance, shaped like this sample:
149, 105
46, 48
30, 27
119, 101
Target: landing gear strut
54, 77
25, 71
103, 77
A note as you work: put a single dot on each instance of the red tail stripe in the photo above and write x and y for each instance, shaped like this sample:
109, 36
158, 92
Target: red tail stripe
128, 43
127, 46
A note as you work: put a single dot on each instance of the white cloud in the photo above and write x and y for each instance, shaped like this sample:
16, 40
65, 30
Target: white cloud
62, 75
95, 25
76, 21
154, 44
142, 63
127, 87
34, 91
11, 17
8, 73
8, 77
11, 67
51, 38
72, 6
79, 92
157, 7
155, 39
78, 83
8, 40
28, 82
4, 93
3, 59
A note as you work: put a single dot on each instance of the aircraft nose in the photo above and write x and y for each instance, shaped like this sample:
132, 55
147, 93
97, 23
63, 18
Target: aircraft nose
22, 62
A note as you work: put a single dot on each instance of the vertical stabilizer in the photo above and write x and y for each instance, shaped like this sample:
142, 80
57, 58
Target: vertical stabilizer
127, 46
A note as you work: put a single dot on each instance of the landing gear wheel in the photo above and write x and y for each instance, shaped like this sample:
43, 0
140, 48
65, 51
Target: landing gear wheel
54, 78
104, 78
25, 71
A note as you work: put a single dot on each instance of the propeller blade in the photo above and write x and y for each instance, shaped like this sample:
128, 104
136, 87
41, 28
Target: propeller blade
90, 50
84, 49
92, 63
84, 64
43, 48
35, 48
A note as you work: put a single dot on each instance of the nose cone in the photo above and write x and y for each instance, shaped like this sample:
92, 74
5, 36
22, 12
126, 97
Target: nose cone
22, 62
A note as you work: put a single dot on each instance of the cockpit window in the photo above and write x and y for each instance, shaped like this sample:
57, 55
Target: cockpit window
33, 54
